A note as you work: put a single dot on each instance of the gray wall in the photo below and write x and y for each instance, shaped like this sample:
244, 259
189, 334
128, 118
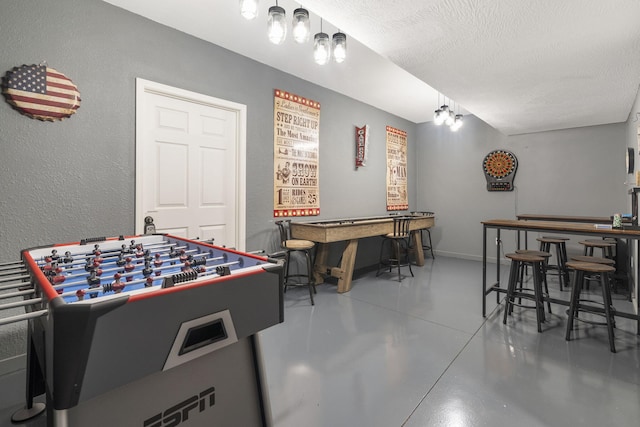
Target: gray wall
72, 179
568, 172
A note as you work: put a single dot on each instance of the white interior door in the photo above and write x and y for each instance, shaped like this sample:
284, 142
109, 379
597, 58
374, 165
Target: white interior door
190, 164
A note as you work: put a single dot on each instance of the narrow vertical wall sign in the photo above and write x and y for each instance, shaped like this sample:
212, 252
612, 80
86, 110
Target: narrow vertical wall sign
397, 198
296, 136
362, 142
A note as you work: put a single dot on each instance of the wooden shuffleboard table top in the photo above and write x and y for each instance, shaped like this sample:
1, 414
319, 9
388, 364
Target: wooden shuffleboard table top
337, 230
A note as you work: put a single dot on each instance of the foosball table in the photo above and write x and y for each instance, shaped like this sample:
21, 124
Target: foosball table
149, 331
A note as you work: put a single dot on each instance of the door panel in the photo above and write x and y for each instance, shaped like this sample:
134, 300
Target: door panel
187, 168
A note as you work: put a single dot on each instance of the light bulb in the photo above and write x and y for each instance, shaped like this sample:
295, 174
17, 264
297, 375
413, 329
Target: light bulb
457, 124
321, 48
249, 8
301, 25
449, 119
276, 25
339, 47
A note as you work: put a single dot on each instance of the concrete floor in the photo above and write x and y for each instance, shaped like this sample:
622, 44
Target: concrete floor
419, 353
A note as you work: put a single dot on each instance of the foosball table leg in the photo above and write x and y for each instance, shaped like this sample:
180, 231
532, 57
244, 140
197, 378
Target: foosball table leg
34, 387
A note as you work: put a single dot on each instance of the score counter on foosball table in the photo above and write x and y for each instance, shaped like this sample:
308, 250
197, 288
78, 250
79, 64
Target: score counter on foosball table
150, 331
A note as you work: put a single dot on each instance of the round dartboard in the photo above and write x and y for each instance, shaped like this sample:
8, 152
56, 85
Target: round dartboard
500, 169
499, 163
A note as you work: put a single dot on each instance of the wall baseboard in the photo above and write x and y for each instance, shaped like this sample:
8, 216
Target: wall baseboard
13, 364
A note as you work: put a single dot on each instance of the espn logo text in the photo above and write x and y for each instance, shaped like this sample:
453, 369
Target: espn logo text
179, 413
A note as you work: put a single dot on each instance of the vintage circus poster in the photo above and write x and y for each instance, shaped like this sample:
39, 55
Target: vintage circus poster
296, 132
397, 198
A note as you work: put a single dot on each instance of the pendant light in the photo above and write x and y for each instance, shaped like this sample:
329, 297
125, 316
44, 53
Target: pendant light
276, 24
301, 25
451, 117
249, 9
321, 47
457, 124
339, 46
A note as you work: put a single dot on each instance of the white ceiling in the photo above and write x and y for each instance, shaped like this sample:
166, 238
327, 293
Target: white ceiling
520, 65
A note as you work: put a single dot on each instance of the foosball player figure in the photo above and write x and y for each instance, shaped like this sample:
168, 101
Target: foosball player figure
139, 251
94, 282
121, 261
58, 278
48, 268
158, 263
129, 267
68, 258
147, 255
54, 255
147, 270
173, 254
149, 282
124, 250
117, 286
132, 247
98, 257
186, 268
183, 256
97, 269
80, 294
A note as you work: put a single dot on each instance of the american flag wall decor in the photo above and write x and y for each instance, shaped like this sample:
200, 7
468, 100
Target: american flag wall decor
40, 92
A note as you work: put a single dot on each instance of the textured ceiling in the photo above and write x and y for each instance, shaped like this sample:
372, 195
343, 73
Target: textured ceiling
521, 66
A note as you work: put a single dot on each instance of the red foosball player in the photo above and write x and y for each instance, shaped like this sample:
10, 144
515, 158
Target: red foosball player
129, 267
183, 256
80, 294
158, 263
58, 278
117, 286
139, 251
48, 268
98, 258
149, 282
186, 267
96, 268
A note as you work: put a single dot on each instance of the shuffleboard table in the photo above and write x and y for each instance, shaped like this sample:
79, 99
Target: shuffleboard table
351, 230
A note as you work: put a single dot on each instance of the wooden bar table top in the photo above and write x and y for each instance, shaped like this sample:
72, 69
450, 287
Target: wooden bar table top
351, 230
570, 218
585, 229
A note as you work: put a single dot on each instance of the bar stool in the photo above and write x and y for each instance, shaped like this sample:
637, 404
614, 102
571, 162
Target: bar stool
543, 272
399, 242
426, 247
561, 256
604, 245
518, 263
290, 246
595, 260
604, 308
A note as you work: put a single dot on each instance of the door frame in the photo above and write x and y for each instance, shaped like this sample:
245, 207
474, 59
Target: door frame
240, 110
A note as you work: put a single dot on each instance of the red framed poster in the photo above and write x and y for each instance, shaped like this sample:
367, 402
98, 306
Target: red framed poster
397, 197
296, 131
